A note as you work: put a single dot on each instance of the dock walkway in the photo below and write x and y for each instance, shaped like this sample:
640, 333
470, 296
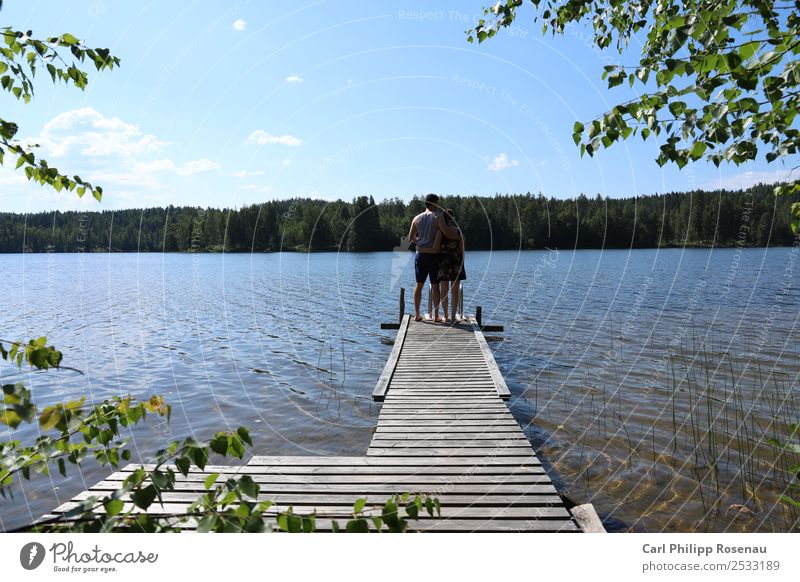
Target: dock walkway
443, 430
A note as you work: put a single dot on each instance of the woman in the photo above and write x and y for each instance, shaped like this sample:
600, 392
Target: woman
451, 267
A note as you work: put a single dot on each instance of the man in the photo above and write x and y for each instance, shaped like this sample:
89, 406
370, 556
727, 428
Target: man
423, 232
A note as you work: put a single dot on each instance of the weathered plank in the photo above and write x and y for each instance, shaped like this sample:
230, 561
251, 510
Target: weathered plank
518, 452
448, 500
388, 370
387, 460
500, 383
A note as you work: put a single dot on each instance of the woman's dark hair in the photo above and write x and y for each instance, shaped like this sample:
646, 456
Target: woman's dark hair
449, 216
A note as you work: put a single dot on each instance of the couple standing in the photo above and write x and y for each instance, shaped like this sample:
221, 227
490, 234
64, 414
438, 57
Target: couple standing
440, 257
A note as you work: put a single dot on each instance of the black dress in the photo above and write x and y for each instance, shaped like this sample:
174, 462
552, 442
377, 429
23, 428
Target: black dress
451, 267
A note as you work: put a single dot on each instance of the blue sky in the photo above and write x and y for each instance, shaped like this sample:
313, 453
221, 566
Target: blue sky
225, 104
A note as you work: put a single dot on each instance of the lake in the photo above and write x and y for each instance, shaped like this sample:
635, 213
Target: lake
649, 381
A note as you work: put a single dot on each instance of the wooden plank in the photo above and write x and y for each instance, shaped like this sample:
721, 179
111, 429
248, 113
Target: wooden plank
439, 424
441, 416
396, 481
438, 400
500, 383
421, 393
383, 382
179, 503
456, 376
477, 404
492, 328
423, 460
444, 452
424, 523
452, 445
434, 411
451, 403
587, 519
501, 430
490, 500
439, 409
453, 436
311, 471
419, 398
362, 489
497, 525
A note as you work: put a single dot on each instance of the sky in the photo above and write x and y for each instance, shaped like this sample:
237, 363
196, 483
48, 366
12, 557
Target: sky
225, 104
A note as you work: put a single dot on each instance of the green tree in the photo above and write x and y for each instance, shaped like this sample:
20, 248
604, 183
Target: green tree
21, 56
364, 230
720, 77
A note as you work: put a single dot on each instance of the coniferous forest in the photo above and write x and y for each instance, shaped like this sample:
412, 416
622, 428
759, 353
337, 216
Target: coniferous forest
755, 217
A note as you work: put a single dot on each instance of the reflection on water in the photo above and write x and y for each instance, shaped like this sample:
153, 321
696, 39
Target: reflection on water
654, 381
651, 381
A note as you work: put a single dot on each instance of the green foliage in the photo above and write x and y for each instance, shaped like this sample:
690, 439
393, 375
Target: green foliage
21, 56
388, 516
81, 431
790, 448
720, 78
497, 222
36, 353
364, 228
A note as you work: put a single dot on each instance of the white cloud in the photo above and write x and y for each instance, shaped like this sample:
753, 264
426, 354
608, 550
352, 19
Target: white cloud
261, 137
286, 162
10, 177
106, 151
239, 25
140, 180
246, 173
95, 134
294, 79
501, 162
197, 167
745, 180
145, 174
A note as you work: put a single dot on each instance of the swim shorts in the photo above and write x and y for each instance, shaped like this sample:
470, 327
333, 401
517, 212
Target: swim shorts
427, 265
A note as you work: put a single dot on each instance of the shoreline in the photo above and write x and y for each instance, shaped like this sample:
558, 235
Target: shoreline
692, 245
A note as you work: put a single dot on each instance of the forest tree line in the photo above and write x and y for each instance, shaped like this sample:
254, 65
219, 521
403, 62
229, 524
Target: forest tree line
755, 217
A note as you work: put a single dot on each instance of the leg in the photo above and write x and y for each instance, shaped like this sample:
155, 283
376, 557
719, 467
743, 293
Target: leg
454, 289
417, 300
420, 275
436, 302
443, 296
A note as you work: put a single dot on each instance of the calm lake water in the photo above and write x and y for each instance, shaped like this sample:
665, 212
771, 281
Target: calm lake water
649, 381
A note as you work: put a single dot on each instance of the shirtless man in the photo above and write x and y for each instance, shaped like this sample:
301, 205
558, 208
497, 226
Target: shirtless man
423, 231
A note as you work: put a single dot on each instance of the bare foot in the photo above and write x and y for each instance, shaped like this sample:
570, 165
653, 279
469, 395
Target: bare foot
438, 319
417, 318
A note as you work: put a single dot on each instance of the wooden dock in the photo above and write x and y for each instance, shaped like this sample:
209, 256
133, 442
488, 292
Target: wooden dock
443, 430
